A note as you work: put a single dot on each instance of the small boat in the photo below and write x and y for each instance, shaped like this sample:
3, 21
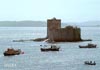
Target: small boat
88, 46
52, 48
11, 51
89, 63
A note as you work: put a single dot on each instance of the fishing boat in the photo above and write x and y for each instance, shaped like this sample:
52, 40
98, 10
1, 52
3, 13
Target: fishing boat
89, 63
11, 51
88, 46
51, 48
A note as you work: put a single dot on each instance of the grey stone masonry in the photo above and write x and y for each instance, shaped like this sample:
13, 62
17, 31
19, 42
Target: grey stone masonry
56, 33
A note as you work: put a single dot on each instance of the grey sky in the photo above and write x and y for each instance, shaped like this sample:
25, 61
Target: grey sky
67, 10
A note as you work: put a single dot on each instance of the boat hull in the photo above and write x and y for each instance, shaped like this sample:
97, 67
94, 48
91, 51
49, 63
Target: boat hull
49, 49
17, 52
87, 63
87, 46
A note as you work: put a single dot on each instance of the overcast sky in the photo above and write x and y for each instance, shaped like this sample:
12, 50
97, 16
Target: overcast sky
67, 10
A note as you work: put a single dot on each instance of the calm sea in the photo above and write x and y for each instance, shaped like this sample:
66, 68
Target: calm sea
70, 56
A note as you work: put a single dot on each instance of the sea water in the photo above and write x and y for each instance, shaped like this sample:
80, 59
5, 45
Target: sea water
70, 56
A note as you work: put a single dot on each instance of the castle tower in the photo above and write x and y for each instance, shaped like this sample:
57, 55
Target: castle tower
53, 24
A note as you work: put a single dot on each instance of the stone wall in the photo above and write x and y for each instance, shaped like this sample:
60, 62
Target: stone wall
56, 33
77, 34
53, 24
65, 34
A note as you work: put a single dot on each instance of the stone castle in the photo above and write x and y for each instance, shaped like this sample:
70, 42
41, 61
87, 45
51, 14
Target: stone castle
58, 34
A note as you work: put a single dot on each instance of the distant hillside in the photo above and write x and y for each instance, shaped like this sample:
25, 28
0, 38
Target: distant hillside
22, 24
91, 23
84, 24
44, 24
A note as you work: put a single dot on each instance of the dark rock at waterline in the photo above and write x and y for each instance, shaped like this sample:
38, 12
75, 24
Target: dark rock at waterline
86, 40
39, 39
22, 40
18, 40
50, 41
